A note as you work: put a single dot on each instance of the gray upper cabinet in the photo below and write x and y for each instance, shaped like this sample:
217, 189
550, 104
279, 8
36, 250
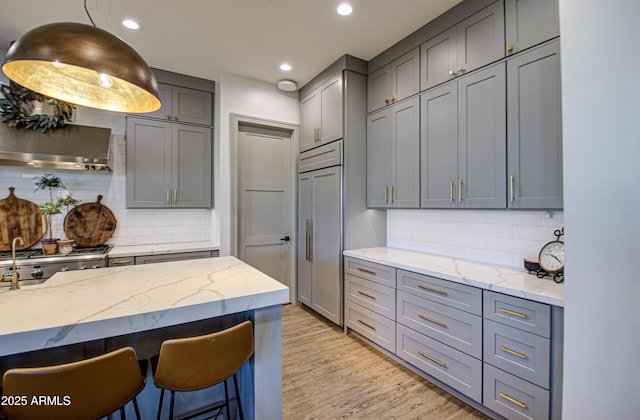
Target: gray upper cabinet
168, 164
393, 156
530, 22
394, 82
463, 142
184, 105
469, 45
321, 114
534, 129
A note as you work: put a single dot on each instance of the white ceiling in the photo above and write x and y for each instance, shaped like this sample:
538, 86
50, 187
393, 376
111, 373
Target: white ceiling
250, 38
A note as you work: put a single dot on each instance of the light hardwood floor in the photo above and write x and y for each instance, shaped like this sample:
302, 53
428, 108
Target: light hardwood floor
330, 375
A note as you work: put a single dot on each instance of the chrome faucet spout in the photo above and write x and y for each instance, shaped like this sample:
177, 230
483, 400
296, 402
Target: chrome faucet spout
14, 275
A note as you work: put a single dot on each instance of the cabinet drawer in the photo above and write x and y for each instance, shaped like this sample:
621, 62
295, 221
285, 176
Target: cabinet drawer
456, 328
120, 261
379, 273
373, 296
524, 354
533, 317
375, 327
459, 296
321, 157
513, 397
454, 368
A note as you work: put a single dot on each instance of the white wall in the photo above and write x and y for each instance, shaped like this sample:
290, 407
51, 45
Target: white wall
601, 91
248, 97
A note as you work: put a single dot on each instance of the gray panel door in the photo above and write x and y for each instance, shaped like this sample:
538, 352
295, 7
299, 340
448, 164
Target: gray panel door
438, 57
439, 146
378, 150
191, 106
405, 75
482, 139
148, 163
305, 217
480, 39
378, 87
530, 22
535, 129
405, 156
191, 166
309, 111
326, 244
331, 110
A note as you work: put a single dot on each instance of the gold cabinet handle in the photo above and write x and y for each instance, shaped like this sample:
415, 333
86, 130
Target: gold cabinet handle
433, 359
512, 196
386, 188
168, 116
460, 69
393, 99
451, 191
364, 270
512, 352
513, 400
440, 292
168, 196
308, 237
451, 72
175, 117
514, 313
366, 295
386, 101
460, 191
120, 262
175, 196
509, 47
392, 194
367, 325
433, 321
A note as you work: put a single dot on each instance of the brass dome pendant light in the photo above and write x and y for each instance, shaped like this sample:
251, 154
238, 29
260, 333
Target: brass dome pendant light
83, 65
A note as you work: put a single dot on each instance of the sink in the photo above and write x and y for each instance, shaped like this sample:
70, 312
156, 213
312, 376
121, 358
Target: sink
6, 285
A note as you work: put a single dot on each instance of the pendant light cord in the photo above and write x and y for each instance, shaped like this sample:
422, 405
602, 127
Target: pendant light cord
88, 14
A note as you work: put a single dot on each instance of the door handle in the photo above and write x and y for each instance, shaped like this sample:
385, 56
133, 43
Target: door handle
286, 239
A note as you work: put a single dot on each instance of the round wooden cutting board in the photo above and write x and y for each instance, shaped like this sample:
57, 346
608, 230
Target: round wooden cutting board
21, 218
90, 224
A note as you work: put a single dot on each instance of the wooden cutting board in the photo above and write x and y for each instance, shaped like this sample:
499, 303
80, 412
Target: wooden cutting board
90, 224
21, 218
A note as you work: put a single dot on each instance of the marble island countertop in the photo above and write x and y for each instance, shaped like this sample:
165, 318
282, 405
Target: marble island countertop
502, 279
79, 306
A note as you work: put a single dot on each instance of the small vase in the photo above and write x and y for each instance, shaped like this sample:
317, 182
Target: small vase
65, 246
49, 241
50, 249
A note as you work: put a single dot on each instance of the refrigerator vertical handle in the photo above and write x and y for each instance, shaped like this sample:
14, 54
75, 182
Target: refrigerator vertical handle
308, 243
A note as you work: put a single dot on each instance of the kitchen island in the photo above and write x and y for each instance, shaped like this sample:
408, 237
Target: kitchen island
120, 304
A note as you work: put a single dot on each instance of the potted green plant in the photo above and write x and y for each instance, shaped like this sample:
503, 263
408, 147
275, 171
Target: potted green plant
49, 208
65, 245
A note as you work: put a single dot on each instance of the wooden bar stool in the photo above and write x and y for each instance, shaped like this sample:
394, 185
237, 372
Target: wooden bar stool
194, 363
87, 389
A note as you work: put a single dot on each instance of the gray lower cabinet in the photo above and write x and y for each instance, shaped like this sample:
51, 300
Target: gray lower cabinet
534, 129
168, 164
530, 22
393, 156
463, 142
476, 41
156, 258
394, 82
319, 244
321, 114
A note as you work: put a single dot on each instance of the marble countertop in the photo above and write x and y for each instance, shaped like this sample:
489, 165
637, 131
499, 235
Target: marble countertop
78, 306
502, 279
135, 250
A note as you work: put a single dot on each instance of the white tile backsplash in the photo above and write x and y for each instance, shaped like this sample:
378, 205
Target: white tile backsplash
493, 236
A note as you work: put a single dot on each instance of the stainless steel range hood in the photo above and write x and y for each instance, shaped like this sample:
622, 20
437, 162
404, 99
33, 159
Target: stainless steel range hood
76, 147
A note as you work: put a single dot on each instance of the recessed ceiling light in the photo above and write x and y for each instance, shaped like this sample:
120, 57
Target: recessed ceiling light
345, 9
285, 67
131, 24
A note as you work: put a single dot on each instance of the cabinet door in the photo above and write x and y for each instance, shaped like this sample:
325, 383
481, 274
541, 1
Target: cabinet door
405, 154
191, 105
309, 111
438, 59
148, 163
378, 88
191, 166
480, 39
405, 76
305, 194
439, 146
534, 129
530, 22
164, 91
482, 139
378, 151
326, 246
331, 107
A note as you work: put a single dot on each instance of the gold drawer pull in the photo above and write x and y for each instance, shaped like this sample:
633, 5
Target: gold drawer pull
366, 295
433, 359
513, 400
120, 262
513, 352
367, 325
507, 311
373, 273
440, 292
426, 318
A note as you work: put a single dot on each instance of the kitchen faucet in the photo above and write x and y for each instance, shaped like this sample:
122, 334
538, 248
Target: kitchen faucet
14, 273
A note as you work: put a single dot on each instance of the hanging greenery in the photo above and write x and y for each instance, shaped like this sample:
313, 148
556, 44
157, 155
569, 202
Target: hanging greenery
16, 107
